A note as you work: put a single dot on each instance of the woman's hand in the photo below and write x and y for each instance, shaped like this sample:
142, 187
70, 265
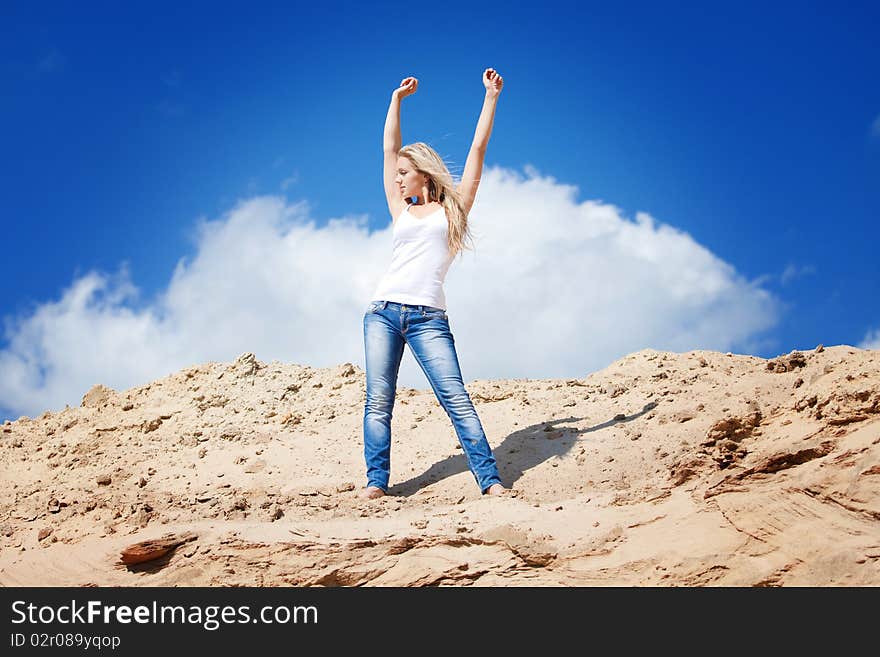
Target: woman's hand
407, 87
492, 81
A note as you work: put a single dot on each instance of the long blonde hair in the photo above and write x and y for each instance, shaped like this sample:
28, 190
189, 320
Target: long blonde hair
441, 188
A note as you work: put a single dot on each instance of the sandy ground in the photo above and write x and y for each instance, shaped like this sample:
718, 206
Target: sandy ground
663, 469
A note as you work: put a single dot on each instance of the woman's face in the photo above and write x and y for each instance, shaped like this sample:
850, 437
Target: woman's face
408, 179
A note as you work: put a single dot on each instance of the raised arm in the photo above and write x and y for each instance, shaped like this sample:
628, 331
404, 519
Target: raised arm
391, 143
473, 168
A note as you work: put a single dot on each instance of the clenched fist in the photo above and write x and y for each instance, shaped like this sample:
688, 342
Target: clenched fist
407, 87
492, 81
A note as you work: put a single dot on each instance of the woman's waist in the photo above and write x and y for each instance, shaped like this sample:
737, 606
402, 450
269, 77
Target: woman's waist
404, 307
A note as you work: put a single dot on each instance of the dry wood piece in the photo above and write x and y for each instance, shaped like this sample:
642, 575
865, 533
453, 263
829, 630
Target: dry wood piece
155, 548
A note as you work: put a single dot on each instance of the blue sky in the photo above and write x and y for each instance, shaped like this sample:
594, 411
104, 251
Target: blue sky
160, 155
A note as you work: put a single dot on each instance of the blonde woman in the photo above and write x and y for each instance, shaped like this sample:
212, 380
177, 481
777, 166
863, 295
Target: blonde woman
430, 216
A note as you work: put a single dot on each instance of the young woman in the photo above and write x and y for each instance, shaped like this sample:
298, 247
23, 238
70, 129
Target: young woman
430, 226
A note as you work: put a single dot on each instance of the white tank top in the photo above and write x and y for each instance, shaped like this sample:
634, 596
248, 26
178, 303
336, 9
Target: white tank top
419, 261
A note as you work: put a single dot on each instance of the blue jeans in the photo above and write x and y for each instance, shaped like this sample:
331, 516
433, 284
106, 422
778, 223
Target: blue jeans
387, 326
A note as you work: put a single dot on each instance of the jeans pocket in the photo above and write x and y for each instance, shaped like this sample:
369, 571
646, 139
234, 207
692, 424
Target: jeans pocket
436, 314
373, 307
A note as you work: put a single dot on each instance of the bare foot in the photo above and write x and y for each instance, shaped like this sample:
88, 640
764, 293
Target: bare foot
496, 489
371, 493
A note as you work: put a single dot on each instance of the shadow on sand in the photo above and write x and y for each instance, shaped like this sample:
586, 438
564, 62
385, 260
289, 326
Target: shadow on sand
518, 452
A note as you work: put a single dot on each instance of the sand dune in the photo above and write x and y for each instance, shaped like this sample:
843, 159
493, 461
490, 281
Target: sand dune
663, 469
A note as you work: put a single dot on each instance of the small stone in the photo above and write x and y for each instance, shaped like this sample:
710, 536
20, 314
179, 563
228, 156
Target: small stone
141, 518
820, 348
103, 480
142, 482
151, 425
45, 532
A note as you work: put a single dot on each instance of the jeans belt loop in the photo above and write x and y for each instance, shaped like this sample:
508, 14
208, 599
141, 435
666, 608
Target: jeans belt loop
384, 304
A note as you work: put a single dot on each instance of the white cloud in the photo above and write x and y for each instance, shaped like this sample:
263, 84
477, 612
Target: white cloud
556, 288
792, 272
871, 341
292, 179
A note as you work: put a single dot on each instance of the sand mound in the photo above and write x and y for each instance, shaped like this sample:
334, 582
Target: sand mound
697, 468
